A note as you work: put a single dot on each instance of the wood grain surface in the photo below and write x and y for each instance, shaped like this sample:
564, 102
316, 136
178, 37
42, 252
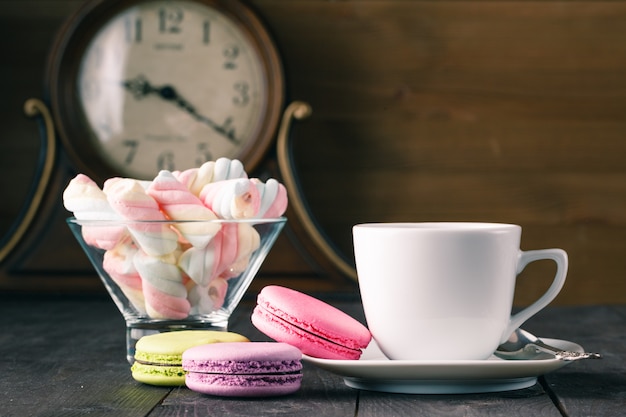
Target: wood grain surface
66, 357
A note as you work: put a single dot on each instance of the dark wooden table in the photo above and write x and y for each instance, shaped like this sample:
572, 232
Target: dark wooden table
66, 357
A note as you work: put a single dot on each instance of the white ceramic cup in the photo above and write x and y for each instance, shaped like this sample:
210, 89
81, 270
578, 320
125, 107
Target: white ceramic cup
444, 290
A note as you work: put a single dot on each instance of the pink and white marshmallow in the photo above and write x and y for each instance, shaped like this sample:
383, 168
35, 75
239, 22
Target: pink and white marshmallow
206, 299
118, 262
178, 203
212, 171
232, 199
248, 241
226, 256
130, 200
273, 198
87, 201
163, 288
172, 256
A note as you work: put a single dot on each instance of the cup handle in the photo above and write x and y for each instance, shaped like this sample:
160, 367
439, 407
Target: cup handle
559, 256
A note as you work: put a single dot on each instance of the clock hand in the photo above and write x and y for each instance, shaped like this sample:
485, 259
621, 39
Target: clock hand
140, 87
168, 92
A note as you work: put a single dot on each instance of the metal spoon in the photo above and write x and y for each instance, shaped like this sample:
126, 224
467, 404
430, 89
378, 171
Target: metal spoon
523, 345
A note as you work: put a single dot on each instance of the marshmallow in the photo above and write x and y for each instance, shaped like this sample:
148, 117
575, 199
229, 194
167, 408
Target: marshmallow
171, 255
226, 169
87, 201
179, 203
204, 265
130, 200
232, 199
226, 256
207, 299
118, 263
248, 240
201, 264
212, 171
163, 287
273, 198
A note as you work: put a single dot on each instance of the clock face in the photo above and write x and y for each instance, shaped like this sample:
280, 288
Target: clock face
170, 85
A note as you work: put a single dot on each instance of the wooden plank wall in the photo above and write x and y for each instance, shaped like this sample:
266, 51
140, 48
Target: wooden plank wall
508, 111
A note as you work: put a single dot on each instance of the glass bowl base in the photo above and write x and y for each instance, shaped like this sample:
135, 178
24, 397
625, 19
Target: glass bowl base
136, 330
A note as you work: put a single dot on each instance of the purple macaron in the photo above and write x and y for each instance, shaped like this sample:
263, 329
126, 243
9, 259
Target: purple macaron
246, 369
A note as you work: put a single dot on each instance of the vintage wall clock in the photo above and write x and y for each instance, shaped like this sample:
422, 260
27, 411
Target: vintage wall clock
136, 86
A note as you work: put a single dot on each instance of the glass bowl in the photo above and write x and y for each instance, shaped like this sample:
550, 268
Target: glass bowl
176, 275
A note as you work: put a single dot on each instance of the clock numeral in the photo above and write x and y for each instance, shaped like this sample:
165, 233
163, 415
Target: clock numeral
131, 146
206, 32
228, 129
133, 29
231, 53
243, 94
166, 161
204, 154
170, 19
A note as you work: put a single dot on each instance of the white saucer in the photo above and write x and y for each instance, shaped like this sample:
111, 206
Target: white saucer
374, 372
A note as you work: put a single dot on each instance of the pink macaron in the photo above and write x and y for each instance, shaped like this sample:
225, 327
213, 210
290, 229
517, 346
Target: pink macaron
316, 328
253, 369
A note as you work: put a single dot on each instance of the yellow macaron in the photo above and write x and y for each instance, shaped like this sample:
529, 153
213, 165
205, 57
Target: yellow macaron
158, 357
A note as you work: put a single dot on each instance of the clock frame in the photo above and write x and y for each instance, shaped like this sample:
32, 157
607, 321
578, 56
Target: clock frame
78, 138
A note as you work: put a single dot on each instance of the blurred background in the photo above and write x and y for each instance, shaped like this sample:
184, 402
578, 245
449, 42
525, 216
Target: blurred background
503, 111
